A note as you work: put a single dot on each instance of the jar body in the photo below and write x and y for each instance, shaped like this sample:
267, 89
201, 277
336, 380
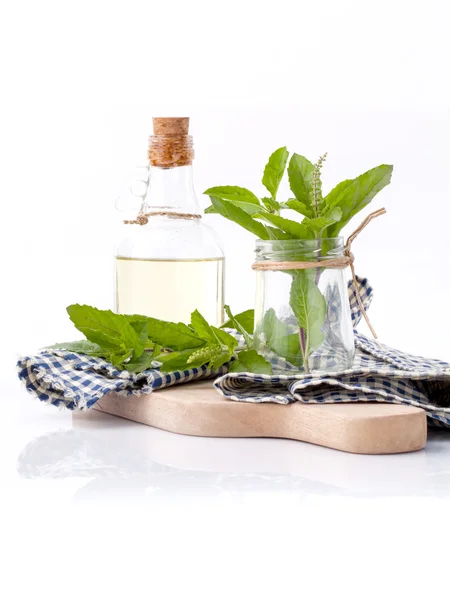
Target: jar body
302, 317
169, 268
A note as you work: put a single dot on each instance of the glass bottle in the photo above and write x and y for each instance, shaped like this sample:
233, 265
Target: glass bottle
318, 335
169, 263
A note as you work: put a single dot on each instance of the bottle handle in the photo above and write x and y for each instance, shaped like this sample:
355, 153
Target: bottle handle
132, 197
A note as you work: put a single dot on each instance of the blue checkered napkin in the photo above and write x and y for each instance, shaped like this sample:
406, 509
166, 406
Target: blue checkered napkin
378, 374
76, 381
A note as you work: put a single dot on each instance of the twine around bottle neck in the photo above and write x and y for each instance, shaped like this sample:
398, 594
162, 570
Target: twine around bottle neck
142, 218
347, 260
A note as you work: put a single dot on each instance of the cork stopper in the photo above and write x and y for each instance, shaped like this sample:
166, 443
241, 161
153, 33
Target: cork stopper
170, 126
170, 145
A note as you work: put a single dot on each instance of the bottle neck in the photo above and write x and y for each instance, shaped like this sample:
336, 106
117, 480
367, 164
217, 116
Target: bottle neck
171, 189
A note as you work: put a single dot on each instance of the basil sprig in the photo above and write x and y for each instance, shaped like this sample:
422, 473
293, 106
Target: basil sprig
137, 343
320, 217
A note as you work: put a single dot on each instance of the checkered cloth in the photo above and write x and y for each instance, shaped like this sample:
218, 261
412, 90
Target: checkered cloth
379, 374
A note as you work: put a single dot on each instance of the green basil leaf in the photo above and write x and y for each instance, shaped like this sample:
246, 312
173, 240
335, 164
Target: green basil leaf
132, 319
228, 340
316, 336
277, 234
221, 360
176, 336
353, 195
249, 208
274, 170
140, 364
335, 197
176, 361
202, 328
81, 347
246, 319
294, 229
280, 338
141, 328
249, 361
238, 327
271, 205
233, 193
299, 207
118, 358
308, 305
234, 213
301, 177
105, 328
319, 224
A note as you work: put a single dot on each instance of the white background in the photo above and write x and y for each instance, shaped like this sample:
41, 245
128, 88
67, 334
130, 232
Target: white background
367, 82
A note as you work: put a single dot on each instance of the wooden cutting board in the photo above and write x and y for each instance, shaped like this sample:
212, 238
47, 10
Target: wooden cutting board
197, 409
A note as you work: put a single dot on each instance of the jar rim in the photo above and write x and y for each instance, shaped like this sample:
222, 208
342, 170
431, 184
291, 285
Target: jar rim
295, 243
316, 249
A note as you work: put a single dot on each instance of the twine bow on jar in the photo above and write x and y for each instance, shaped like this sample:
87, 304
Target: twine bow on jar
347, 260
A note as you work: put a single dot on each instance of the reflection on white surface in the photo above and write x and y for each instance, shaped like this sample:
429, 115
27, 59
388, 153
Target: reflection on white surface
121, 457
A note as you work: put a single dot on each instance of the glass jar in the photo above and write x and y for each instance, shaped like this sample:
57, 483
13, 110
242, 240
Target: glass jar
302, 316
168, 262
